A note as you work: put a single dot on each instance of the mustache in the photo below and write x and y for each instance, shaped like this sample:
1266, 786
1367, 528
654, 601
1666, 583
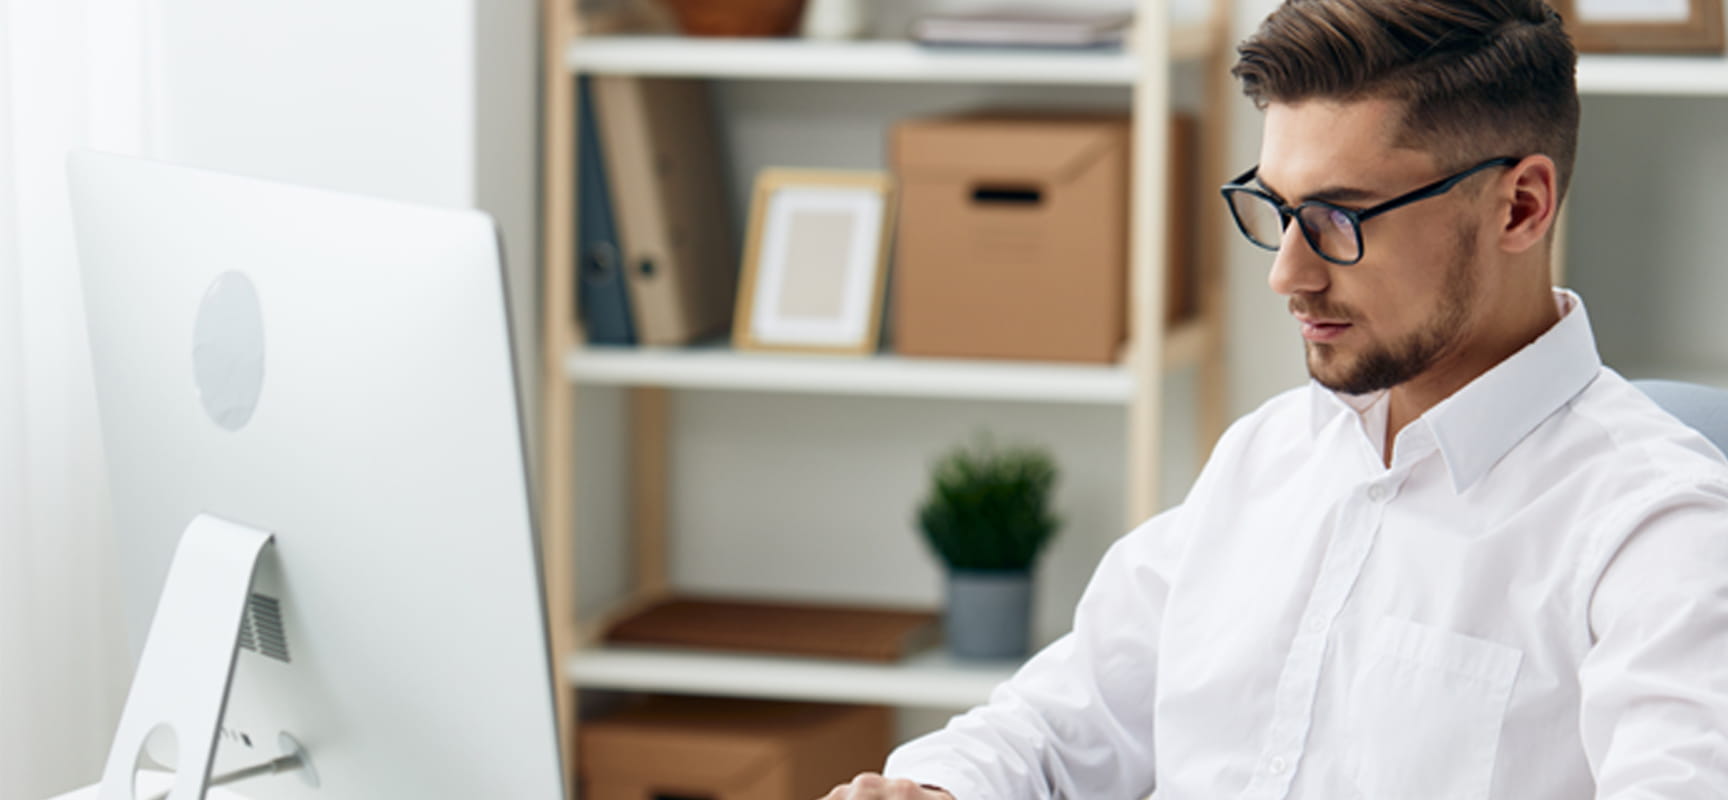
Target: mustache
1319, 306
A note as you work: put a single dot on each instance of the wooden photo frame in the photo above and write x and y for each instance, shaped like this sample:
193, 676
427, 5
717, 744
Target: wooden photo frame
815, 262
1644, 26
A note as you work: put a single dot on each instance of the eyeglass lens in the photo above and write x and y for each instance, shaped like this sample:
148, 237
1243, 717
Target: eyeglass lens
1330, 231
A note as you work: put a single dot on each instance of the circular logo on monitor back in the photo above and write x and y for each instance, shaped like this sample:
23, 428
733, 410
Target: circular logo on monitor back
228, 350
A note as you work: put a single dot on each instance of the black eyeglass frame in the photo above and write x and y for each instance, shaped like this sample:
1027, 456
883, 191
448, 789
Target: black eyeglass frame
1356, 216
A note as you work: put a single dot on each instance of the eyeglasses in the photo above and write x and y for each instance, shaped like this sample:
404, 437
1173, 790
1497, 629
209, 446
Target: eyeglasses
1333, 231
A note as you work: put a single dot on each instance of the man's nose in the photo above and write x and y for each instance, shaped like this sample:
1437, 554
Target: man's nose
1296, 268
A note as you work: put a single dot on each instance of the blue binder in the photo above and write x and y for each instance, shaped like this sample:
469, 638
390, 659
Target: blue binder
602, 293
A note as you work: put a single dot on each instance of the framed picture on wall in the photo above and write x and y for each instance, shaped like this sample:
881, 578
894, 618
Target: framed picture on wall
1644, 26
815, 262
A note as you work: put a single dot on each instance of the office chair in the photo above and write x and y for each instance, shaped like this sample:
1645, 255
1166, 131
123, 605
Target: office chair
1702, 407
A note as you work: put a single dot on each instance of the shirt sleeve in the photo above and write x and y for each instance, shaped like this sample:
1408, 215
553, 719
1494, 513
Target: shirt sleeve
1076, 719
1654, 713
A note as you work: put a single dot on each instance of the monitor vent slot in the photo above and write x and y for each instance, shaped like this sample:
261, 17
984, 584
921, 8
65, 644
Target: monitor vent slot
261, 628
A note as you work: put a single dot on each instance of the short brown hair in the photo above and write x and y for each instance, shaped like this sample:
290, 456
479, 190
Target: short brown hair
1478, 78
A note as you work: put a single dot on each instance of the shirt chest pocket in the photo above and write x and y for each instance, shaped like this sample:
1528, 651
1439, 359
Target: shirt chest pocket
1425, 712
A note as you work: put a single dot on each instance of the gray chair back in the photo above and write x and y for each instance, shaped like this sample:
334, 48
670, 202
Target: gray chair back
1702, 407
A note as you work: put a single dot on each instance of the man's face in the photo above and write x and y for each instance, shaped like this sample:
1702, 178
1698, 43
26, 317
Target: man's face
1407, 305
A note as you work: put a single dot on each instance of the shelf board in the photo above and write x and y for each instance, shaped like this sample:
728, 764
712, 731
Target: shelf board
1658, 76
927, 680
881, 376
904, 61
886, 375
882, 60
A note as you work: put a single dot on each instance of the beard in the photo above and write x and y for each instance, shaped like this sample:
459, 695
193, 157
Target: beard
1388, 364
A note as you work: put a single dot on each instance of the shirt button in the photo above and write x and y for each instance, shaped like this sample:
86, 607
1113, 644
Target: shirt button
1316, 623
1277, 766
1376, 493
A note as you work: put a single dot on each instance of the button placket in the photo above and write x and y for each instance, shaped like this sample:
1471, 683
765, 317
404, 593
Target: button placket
1294, 701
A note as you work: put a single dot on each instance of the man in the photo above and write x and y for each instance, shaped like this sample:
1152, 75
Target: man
1467, 561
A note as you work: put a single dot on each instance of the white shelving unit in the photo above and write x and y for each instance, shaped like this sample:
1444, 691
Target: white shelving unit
875, 61
1664, 76
926, 680
881, 376
720, 367
1133, 385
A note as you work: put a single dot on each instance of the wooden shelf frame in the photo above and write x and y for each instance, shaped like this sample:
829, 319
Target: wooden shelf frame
1136, 384
558, 23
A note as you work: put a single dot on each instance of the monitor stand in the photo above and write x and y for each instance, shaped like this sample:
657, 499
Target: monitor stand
181, 685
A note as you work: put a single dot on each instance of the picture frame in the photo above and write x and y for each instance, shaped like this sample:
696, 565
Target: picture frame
1644, 26
815, 262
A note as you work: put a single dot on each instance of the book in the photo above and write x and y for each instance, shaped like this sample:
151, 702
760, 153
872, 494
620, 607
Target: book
663, 162
1010, 28
602, 293
832, 631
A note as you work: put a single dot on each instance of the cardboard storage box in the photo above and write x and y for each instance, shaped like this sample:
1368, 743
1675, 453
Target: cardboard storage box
1013, 236
721, 749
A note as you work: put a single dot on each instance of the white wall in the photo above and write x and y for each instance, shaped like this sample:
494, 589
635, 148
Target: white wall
425, 101
1647, 245
1265, 352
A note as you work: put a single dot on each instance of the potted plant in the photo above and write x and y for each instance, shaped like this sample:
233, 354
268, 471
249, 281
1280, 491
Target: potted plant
987, 517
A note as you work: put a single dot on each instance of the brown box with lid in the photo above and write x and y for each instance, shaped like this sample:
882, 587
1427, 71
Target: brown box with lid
1012, 239
724, 749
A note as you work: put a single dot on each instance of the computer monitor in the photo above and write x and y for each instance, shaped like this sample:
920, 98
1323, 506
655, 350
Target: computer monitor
333, 371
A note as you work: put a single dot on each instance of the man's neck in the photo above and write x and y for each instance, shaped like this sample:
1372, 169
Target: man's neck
1408, 401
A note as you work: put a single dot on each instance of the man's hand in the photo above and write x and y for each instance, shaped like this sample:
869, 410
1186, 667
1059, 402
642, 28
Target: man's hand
870, 786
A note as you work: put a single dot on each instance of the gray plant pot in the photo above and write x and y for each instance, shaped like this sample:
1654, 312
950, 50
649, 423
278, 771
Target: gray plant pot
989, 613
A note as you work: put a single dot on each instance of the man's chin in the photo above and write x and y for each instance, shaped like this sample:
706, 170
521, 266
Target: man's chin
1329, 369
1325, 367
1333, 383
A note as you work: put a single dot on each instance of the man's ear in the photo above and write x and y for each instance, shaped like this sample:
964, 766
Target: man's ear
1530, 194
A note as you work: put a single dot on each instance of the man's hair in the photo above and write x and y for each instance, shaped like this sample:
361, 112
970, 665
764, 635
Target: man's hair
1477, 78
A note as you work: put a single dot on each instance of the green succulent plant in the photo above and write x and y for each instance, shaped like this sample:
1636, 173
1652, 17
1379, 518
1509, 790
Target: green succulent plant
989, 506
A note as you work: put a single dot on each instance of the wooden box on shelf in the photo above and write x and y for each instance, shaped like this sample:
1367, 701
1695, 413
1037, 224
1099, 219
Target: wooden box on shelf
727, 749
1013, 236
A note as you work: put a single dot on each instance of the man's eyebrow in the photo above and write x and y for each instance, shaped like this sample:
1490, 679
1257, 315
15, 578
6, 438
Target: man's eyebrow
1330, 194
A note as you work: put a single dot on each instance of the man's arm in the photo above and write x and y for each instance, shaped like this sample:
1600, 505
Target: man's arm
1654, 712
1076, 720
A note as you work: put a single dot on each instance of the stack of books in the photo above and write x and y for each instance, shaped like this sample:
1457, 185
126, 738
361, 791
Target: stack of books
881, 635
1010, 28
656, 260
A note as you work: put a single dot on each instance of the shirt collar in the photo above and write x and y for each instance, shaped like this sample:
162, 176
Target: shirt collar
1481, 422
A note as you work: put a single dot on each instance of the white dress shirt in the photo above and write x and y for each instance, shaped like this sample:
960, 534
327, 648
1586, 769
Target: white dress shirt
1531, 603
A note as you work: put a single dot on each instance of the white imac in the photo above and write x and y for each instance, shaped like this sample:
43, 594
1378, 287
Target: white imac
309, 409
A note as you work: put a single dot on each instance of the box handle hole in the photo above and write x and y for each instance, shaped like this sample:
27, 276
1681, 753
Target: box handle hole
1008, 195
